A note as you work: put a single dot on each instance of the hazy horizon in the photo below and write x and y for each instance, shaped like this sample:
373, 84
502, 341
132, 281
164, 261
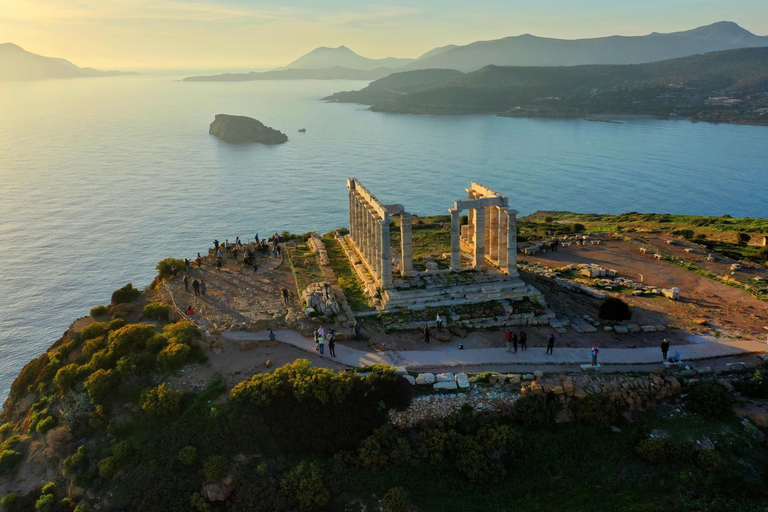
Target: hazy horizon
234, 35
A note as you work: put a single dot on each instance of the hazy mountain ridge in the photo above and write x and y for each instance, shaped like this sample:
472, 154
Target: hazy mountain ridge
17, 64
323, 57
333, 73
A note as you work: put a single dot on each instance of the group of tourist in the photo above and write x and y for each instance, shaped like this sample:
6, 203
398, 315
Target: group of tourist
512, 340
321, 337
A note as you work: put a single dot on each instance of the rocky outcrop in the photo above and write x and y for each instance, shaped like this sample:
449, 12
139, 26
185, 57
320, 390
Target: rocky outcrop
240, 129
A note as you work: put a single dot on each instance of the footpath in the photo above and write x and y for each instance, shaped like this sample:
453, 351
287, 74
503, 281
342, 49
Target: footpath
448, 357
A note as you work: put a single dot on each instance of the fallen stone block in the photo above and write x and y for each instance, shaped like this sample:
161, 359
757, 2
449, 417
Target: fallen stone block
538, 374
445, 385
462, 380
589, 367
410, 379
648, 328
703, 370
444, 377
401, 370
425, 378
621, 329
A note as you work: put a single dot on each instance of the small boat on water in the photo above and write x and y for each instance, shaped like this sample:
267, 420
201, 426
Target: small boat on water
302, 130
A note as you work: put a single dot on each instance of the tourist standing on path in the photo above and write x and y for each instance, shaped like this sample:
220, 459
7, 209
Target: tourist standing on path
186, 282
272, 336
286, 296
216, 245
199, 260
256, 238
508, 337
426, 334
550, 343
331, 343
595, 351
664, 349
439, 321
218, 263
234, 253
523, 341
196, 287
187, 264
514, 341
321, 344
358, 331
202, 288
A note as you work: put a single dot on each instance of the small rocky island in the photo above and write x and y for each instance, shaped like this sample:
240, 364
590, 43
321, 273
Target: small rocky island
245, 129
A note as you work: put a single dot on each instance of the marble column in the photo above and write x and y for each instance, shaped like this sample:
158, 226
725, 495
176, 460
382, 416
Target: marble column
385, 255
406, 244
471, 214
479, 248
493, 232
455, 239
365, 250
376, 247
503, 236
512, 244
487, 210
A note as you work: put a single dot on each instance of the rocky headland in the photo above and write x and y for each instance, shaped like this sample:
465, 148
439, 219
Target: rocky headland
240, 129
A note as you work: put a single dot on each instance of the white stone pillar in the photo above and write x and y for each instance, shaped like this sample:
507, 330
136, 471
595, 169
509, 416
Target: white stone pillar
512, 244
385, 253
376, 248
479, 247
365, 250
352, 213
503, 237
406, 244
455, 239
493, 232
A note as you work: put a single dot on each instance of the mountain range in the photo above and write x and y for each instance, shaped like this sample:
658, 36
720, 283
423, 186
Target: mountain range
17, 64
524, 50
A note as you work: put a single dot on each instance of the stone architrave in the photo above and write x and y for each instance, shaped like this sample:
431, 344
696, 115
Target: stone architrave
455, 239
478, 258
406, 244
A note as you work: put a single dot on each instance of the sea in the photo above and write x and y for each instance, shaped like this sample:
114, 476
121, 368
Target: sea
100, 178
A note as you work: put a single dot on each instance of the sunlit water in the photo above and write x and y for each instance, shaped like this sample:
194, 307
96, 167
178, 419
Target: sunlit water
101, 178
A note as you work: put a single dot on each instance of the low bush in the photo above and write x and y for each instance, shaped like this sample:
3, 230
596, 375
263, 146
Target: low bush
93, 330
157, 343
161, 401
45, 503
755, 387
198, 503
652, 450
122, 451
614, 309
108, 467
396, 500
709, 460
216, 468
45, 424
9, 459
93, 345
67, 376
6, 429
536, 411
709, 399
100, 385
99, 311
115, 324
596, 410
129, 339
76, 460
681, 451
125, 295
187, 455
304, 483
156, 311
183, 332
170, 268
173, 355
579, 228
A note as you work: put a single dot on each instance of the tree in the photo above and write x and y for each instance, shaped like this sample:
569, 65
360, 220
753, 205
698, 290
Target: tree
743, 238
579, 228
615, 309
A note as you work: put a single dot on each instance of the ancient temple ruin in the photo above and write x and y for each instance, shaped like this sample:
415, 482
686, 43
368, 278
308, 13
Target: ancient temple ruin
483, 255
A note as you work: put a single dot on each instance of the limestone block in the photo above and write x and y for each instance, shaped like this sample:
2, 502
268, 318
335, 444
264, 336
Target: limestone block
607, 328
538, 374
410, 379
558, 390
401, 370
513, 378
462, 380
703, 370
621, 329
528, 376
648, 328
671, 293
425, 378
579, 393
568, 385
633, 328
446, 385
445, 377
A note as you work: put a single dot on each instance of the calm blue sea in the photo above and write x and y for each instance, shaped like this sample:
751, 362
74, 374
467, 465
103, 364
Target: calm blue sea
101, 178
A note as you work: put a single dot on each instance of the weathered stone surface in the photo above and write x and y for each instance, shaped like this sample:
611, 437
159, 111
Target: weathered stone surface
401, 370
445, 377
538, 374
462, 380
410, 379
244, 129
446, 385
425, 378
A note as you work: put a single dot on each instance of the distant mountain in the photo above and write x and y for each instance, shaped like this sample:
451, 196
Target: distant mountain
323, 58
335, 73
648, 88
528, 50
17, 64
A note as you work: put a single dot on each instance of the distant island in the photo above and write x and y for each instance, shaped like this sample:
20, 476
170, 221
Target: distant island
17, 64
239, 129
729, 86
523, 50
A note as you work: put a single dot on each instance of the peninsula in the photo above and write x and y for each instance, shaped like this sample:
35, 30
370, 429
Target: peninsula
241, 129
370, 369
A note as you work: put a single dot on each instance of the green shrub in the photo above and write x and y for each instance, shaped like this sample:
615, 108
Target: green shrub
45, 424
9, 500
157, 342
709, 460
108, 467
536, 411
579, 228
614, 309
304, 483
104, 359
383, 448
161, 401
216, 468
652, 450
99, 311
76, 460
684, 233
125, 294
115, 324
755, 387
82, 507
135, 364
122, 451
396, 500
67, 376
6, 429
48, 488
596, 410
173, 355
165, 268
9, 459
743, 238
187, 455
709, 399
183, 332
45, 503
100, 385
131, 338
156, 311
199, 503
93, 330
94, 345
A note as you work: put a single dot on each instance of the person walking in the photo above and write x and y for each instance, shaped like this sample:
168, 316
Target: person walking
426, 334
196, 287
332, 343
550, 343
508, 337
186, 282
358, 331
595, 351
321, 344
664, 349
286, 296
523, 341
514, 342
439, 322
202, 288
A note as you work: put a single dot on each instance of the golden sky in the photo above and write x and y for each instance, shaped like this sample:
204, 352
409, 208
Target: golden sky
238, 34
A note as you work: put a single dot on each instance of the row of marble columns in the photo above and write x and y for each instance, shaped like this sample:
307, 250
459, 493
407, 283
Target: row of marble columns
492, 234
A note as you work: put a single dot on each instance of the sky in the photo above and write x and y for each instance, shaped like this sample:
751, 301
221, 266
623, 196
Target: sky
253, 34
